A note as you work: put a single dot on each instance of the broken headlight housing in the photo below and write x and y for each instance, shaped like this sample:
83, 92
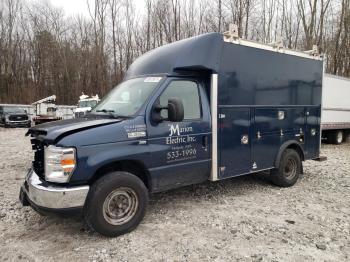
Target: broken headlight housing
60, 163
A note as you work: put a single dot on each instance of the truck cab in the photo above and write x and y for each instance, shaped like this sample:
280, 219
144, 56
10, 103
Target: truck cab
85, 104
204, 108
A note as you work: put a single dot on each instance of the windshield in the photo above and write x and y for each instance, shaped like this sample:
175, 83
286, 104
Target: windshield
128, 97
14, 110
90, 103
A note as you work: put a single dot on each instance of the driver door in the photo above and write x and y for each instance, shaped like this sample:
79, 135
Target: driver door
180, 150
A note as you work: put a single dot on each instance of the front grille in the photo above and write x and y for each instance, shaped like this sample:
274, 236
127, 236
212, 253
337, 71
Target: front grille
79, 114
18, 117
38, 163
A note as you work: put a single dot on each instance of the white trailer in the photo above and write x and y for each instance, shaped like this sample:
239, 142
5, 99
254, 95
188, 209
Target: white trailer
336, 109
66, 111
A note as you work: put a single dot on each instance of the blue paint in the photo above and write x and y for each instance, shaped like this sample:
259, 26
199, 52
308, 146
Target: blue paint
255, 85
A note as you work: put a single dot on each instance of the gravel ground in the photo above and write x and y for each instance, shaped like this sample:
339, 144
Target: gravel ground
244, 218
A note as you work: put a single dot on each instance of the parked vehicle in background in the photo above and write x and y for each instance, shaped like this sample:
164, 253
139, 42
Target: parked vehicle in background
11, 116
85, 104
336, 109
45, 110
66, 111
209, 107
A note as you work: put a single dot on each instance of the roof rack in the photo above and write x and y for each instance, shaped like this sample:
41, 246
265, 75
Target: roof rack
232, 36
313, 51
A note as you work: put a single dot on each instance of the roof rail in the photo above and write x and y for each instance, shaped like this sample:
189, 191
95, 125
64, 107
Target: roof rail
232, 32
313, 51
232, 36
278, 43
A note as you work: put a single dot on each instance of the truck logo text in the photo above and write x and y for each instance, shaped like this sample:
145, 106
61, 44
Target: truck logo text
176, 130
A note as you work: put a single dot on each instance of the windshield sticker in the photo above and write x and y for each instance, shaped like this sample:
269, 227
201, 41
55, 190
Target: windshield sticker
136, 131
181, 142
152, 79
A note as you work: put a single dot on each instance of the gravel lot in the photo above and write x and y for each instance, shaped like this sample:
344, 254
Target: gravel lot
244, 219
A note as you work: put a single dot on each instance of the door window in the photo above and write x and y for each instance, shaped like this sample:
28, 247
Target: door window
188, 92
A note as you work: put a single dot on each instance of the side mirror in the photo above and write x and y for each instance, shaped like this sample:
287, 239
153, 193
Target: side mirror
175, 111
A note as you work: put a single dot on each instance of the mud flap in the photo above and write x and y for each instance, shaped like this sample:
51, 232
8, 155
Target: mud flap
23, 198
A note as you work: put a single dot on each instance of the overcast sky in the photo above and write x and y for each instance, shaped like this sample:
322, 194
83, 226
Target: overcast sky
72, 7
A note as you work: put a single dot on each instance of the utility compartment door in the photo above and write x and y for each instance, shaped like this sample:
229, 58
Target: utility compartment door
312, 133
233, 142
273, 127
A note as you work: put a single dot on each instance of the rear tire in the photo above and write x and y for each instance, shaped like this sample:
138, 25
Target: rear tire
116, 204
337, 137
289, 170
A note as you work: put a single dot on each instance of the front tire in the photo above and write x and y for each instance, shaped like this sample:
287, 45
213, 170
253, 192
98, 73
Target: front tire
116, 204
288, 172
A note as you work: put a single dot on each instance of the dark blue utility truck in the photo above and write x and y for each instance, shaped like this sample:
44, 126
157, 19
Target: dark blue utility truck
205, 108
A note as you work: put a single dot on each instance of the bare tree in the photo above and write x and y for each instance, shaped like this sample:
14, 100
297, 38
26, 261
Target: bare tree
42, 51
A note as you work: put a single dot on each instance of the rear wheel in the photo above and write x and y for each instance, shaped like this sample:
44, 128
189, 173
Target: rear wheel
335, 137
116, 204
289, 169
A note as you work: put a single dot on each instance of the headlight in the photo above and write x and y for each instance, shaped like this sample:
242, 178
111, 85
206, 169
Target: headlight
59, 164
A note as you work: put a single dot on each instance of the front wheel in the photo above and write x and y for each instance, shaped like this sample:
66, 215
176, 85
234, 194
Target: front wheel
289, 169
116, 204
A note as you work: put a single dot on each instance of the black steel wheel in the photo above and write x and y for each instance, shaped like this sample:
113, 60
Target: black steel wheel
289, 170
120, 206
116, 204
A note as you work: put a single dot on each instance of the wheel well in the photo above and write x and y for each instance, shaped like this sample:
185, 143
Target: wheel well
289, 145
132, 166
293, 146
298, 149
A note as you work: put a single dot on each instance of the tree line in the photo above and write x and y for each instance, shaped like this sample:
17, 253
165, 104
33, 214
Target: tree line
45, 52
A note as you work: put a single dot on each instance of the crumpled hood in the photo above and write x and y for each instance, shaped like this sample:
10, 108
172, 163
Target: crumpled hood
53, 131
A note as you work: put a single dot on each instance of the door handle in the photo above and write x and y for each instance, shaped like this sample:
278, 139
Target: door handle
244, 140
205, 142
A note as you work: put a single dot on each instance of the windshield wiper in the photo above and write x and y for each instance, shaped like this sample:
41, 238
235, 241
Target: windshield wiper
111, 113
105, 111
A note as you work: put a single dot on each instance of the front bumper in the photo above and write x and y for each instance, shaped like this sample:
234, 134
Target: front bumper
23, 123
43, 195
